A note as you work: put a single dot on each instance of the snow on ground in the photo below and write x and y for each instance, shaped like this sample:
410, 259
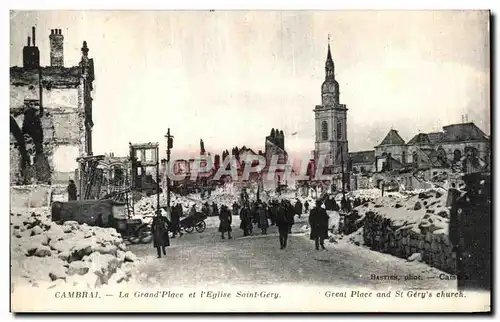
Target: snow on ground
422, 209
45, 254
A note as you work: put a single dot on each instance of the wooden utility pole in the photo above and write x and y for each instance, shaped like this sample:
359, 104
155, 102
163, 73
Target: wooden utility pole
170, 144
157, 150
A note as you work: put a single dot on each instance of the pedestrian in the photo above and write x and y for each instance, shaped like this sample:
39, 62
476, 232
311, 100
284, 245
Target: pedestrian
273, 212
263, 223
335, 205
282, 223
290, 212
245, 220
236, 209
205, 209
192, 211
225, 219
306, 206
215, 209
175, 221
298, 207
71, 190
318, 221
160, 234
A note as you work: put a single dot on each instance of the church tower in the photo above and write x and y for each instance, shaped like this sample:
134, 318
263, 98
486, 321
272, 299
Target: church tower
331, 127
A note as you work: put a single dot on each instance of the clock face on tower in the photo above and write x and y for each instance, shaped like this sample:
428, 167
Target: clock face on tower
327, 99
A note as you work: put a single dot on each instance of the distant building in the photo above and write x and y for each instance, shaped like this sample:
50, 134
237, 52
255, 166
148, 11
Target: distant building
116, 172
50, 114
459, 148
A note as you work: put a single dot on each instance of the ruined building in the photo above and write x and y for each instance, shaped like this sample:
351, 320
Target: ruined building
275, 145
459, 148
50, 114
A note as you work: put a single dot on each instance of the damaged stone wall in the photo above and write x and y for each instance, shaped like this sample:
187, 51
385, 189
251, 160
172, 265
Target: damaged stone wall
434, 247
46, 139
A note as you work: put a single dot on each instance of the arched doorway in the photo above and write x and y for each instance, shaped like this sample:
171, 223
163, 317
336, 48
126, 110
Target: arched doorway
457, 155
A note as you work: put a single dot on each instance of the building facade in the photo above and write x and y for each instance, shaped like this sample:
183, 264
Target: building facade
459, 148
50, 114
331, 143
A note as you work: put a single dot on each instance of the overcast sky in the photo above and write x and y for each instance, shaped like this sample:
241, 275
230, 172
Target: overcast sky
229, 77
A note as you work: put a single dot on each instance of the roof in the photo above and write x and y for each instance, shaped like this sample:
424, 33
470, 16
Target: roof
433, 158
463, 132
420, 139
244, 149
362, 156
434, 137
392, 138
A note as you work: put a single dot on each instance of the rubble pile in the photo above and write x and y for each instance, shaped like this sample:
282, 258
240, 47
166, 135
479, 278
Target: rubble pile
48, 254
147, 205
404, 226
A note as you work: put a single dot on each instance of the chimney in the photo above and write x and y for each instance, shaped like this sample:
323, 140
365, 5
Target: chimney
56, 48
31, 54
33, 32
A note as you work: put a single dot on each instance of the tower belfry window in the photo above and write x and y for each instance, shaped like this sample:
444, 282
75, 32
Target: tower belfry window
324, 131
339, 130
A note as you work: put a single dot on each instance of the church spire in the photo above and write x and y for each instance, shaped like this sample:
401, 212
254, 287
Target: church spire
329, 66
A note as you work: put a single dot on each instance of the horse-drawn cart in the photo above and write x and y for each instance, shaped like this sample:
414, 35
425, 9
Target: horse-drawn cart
196, 221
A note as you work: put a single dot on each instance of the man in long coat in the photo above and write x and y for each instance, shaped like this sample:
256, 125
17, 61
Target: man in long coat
175, 218
290, 212
263, 223
306, 206
318, 220
160, 234
298, 207
273, 212
215, 209
283, 226
71, 190
225, 219
236, 209
246, 222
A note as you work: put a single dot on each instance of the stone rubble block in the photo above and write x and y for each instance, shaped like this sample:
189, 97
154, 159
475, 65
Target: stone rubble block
70, 254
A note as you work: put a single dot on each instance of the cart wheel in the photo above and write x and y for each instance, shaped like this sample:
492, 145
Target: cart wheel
134, 240
189, 229
147, 239
143, 232
200, 227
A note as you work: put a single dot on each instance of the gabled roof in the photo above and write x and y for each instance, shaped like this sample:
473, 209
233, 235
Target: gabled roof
463, 132
244, 149
433, 158
435, 137
362, 156
420, 139
392, 138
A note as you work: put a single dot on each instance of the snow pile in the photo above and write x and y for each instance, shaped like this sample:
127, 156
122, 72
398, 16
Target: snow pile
405, 224
426, 210
45, 253
357, 237
371, 194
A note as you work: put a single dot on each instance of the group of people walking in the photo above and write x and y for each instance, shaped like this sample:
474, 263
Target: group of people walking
264, 215
257, 214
